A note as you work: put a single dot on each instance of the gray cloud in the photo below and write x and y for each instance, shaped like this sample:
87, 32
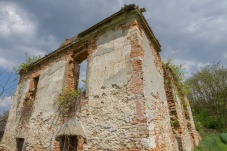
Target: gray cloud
191, 31
65, 19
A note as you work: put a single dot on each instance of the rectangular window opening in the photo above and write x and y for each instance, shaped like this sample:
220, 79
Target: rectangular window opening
20, 143
35, 81
80, 76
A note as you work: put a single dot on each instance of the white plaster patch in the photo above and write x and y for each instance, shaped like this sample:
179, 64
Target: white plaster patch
148, 143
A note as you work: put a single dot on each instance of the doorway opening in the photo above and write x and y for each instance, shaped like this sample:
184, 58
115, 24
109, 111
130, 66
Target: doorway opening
20, 143
67, 142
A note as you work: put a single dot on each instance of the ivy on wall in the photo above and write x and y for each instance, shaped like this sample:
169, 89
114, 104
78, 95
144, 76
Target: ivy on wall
176, 80
178, 76
68, 102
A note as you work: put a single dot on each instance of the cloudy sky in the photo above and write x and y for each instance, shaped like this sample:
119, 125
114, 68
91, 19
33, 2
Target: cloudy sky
190, 32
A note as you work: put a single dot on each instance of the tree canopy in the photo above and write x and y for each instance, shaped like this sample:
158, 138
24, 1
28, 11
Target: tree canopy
208, 95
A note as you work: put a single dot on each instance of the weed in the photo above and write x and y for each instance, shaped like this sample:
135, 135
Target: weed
23, 67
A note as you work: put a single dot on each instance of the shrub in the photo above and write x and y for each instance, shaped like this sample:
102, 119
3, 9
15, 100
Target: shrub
223, 137
68, 102
213, 123
23, 67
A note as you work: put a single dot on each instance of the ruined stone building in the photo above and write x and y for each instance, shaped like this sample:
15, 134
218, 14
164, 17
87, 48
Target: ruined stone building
127, 105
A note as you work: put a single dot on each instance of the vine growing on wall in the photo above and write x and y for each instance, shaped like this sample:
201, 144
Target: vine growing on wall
178, 74
177, 79
68, 102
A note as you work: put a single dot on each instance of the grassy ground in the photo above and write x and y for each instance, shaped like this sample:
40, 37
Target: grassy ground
213, 142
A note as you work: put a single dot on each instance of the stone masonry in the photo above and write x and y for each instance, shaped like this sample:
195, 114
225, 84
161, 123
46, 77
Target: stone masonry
127, 105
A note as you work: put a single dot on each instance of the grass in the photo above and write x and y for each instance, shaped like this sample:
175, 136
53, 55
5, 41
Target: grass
213, 142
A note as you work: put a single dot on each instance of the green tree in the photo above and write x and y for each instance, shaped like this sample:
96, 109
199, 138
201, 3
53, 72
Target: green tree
208, 95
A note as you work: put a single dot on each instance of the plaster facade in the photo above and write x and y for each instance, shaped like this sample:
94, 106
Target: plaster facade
125, 107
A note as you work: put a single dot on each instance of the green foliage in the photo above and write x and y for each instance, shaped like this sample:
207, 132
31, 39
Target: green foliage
175, 123
23, 67
178, 73
213, 123
223, 137
185, 104
208, 96
28, 102
212, 143
204, 121
199, 127
177, 70
67, 102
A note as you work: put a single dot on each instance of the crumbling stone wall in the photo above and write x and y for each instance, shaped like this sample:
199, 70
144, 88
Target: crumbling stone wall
180, 114
157, 110
191, 125
125, 106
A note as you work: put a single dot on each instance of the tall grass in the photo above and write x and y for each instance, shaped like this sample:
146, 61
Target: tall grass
215, 142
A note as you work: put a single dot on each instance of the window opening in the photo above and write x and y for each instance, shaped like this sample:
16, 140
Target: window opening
82, 77
20, 143
29, 98
80, 65
35, 83
76, 74
67, 142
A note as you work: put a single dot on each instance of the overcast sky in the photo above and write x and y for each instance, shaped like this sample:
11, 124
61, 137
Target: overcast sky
192, 32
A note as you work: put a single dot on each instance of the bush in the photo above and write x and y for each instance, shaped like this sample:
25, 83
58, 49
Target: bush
203, 120
213, 123
199, 127
223, 137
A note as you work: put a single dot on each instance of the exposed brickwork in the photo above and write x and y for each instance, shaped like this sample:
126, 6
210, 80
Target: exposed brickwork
160, 115
80, 144
91, 46
136, 24
141, 128
57, 146
157, 59
136, 52
70, 77
179, 113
